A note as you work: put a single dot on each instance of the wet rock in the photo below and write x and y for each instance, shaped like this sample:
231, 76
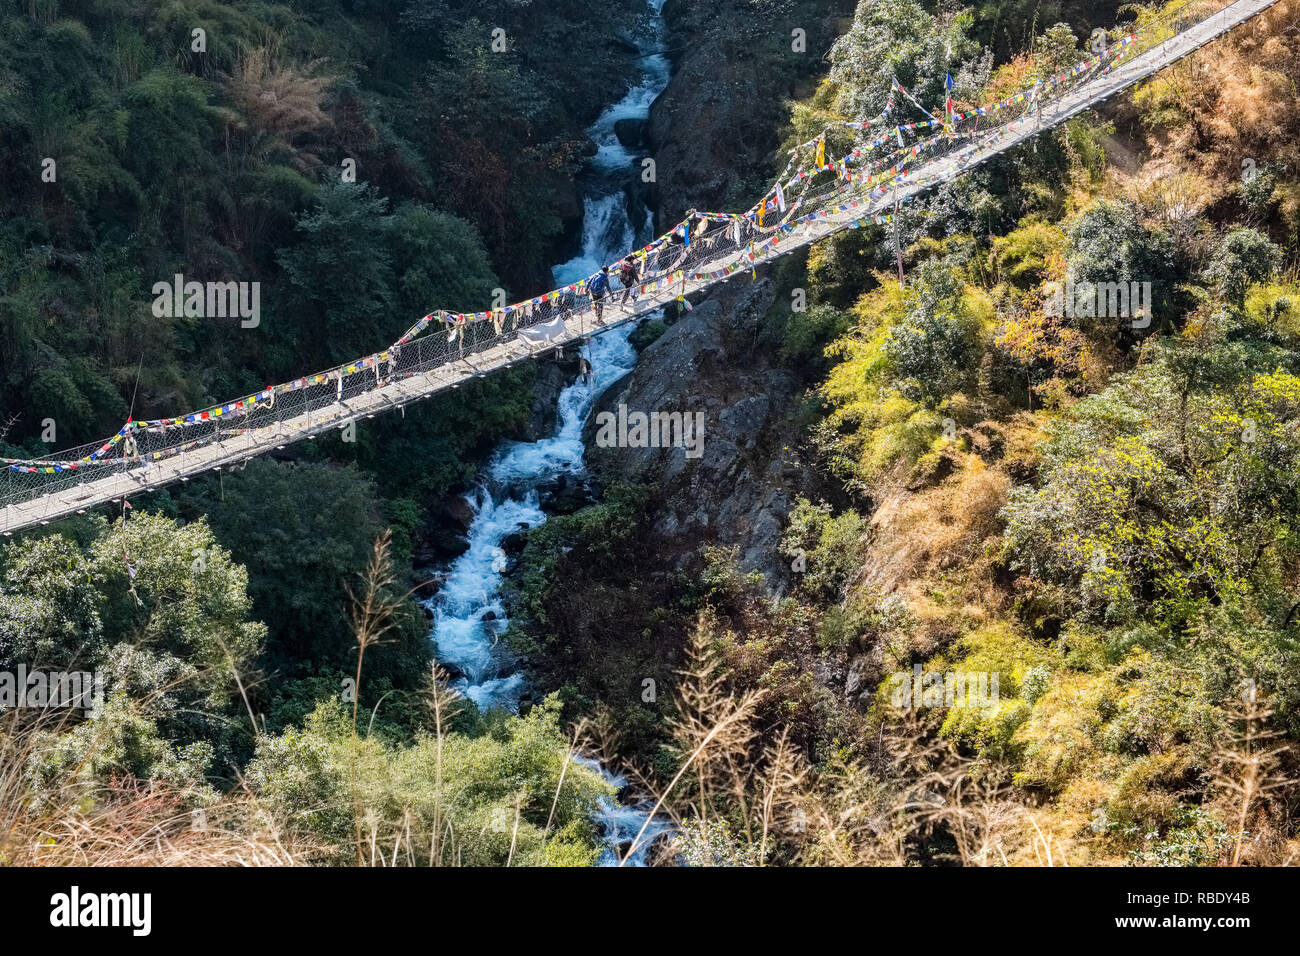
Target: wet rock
640, 199
451, 673
624, 45
513, 544
543, 413
631, 133
443, 544
661, 852
453, 512
568, 201
566, 496
568, 206
427, 584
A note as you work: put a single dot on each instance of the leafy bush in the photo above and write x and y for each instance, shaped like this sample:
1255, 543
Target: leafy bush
480, 800
825, 549
1243, 258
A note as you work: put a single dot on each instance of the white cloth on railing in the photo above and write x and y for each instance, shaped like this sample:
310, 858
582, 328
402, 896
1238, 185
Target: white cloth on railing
545, 333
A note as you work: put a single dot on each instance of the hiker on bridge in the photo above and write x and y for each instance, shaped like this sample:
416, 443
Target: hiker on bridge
677, 251
630, 276
598, 288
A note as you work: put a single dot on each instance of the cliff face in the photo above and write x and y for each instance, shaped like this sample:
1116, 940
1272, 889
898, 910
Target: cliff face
716, 128
714, 133
733, 484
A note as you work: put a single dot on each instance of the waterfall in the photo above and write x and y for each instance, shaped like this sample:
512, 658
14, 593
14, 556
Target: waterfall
468, 615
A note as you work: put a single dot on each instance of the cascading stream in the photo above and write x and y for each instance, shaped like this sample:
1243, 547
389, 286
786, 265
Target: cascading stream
468, 613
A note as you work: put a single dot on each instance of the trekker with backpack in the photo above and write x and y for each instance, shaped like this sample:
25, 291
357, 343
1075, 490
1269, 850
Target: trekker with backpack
598, 288
629, 276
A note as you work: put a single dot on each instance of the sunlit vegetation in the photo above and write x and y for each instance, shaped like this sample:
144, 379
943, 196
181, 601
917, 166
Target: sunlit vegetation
1096, 509
1088, 518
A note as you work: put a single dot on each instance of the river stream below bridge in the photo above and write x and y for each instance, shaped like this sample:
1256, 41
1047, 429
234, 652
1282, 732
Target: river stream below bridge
469, 617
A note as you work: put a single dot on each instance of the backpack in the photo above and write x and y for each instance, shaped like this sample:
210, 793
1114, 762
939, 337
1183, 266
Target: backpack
599, 284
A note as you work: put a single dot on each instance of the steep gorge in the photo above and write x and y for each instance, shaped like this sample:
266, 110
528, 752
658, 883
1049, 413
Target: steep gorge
599, 625
714, 133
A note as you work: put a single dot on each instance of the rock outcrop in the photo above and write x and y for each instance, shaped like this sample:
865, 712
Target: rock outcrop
738, 489
544, 411
715, 130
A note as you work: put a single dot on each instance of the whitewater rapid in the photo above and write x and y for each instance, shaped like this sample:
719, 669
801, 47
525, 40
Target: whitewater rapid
469, 617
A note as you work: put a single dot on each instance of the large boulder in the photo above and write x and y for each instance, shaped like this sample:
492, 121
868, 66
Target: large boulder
631, 133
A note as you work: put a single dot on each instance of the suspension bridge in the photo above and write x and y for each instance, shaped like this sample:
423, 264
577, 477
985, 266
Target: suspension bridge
814, 198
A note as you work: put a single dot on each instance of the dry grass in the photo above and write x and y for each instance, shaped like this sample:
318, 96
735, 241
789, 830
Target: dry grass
1250, 780
1238, 100
280, 103
916, 799
933, 548
125, 822
122, 821
938, 529
921, 802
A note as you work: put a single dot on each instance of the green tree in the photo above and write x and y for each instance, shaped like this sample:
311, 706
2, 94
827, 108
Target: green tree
898, 38
341, 267
305, 530
439, 262
170, 589
121, 742
1161, 499
1056, 50
1243, 257
1109, 243
935, 348
50, 608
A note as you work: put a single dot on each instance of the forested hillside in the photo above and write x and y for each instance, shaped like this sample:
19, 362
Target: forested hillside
222, 140
977, 566
362, 162
1092, 515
